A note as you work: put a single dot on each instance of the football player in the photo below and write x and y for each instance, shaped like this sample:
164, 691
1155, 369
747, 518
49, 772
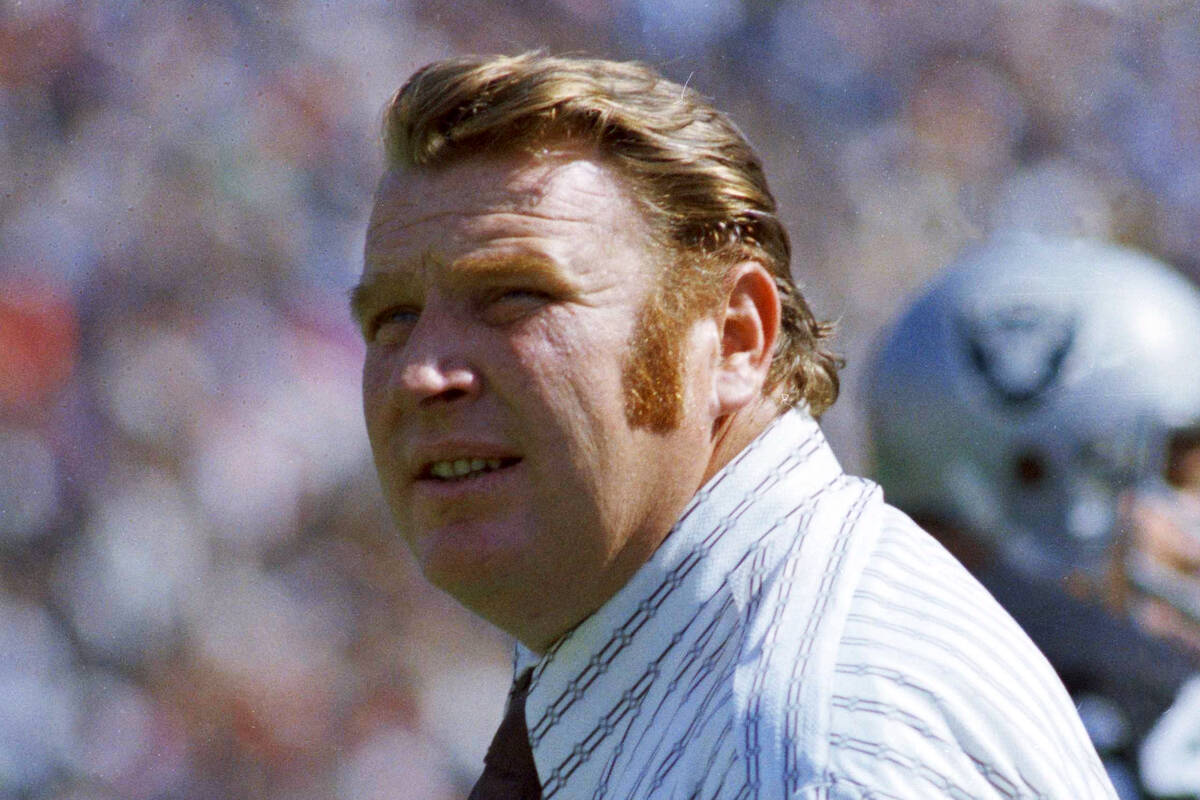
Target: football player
1036, 409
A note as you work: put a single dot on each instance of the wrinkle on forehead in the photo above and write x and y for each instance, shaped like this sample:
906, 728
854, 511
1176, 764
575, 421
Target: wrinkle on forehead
546, 197
524, 188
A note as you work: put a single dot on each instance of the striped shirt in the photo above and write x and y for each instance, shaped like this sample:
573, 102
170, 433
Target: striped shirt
794, 637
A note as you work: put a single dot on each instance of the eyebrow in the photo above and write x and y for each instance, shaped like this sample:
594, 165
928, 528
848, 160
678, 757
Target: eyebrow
368, 289
514, 265
498, 266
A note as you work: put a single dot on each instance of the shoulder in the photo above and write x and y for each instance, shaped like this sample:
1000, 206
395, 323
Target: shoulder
935, 691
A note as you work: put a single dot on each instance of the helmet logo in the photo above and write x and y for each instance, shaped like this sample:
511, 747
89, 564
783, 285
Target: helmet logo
1018, 348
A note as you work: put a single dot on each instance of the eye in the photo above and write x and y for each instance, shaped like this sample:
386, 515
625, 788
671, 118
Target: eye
392, 326
522, 296
513, 303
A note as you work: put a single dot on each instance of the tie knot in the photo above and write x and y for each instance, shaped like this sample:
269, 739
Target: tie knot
520, 686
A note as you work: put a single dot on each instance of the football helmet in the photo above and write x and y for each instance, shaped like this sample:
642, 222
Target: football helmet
1027, 387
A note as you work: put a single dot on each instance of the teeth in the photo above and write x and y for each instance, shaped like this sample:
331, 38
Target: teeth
462, 467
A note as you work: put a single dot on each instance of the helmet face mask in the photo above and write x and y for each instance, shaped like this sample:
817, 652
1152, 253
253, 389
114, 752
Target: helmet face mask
1028, 387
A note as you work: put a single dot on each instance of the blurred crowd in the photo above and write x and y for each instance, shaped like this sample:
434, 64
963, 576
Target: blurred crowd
199, 594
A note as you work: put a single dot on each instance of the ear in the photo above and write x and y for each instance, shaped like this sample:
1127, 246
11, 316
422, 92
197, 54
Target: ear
749, 323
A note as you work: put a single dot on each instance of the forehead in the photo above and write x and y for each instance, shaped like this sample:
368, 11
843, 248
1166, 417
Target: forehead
549, 205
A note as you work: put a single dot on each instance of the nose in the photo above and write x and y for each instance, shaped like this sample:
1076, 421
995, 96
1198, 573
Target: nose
431, 382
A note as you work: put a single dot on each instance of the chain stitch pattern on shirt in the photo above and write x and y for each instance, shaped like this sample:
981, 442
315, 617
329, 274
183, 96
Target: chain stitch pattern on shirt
557, 777
703, 641
625, 634
620, 638
1002, 783
999, 641
783, 587
834, 567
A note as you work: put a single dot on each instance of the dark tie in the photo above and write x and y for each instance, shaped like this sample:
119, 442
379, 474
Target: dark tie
508, 769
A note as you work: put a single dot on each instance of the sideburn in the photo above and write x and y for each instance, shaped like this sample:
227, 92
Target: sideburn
652, 376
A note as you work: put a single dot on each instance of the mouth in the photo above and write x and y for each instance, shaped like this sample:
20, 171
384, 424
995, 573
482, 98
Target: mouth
463, 469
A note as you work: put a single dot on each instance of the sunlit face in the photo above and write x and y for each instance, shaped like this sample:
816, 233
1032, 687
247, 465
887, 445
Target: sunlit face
499, 302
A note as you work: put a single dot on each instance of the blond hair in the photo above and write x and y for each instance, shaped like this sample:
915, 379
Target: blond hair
699, 183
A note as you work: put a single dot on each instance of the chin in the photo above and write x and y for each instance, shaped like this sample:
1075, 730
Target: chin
468, 560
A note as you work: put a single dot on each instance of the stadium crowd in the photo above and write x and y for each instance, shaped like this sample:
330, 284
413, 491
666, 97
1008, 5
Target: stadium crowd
192, 601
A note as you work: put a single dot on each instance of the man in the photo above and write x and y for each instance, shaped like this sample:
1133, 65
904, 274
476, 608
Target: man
590, 387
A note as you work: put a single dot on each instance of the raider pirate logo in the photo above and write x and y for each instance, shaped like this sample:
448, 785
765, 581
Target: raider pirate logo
1018, 348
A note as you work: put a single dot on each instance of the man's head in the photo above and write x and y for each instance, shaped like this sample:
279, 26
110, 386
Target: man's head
696, 180
557, 357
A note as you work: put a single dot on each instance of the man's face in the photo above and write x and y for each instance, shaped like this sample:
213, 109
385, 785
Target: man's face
499, 301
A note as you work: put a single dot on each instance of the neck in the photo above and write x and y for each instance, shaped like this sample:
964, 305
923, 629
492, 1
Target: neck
732, 433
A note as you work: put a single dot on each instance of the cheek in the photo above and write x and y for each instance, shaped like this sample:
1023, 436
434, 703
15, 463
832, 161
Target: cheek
371, 379
373, 384
379, 411
573, 358
574, 372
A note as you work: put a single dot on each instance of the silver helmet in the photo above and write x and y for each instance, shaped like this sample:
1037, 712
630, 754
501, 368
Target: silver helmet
1027, 387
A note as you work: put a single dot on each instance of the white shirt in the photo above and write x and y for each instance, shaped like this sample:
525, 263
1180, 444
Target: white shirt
795, 637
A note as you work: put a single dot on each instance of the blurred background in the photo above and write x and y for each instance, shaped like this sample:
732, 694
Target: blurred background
198, 591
